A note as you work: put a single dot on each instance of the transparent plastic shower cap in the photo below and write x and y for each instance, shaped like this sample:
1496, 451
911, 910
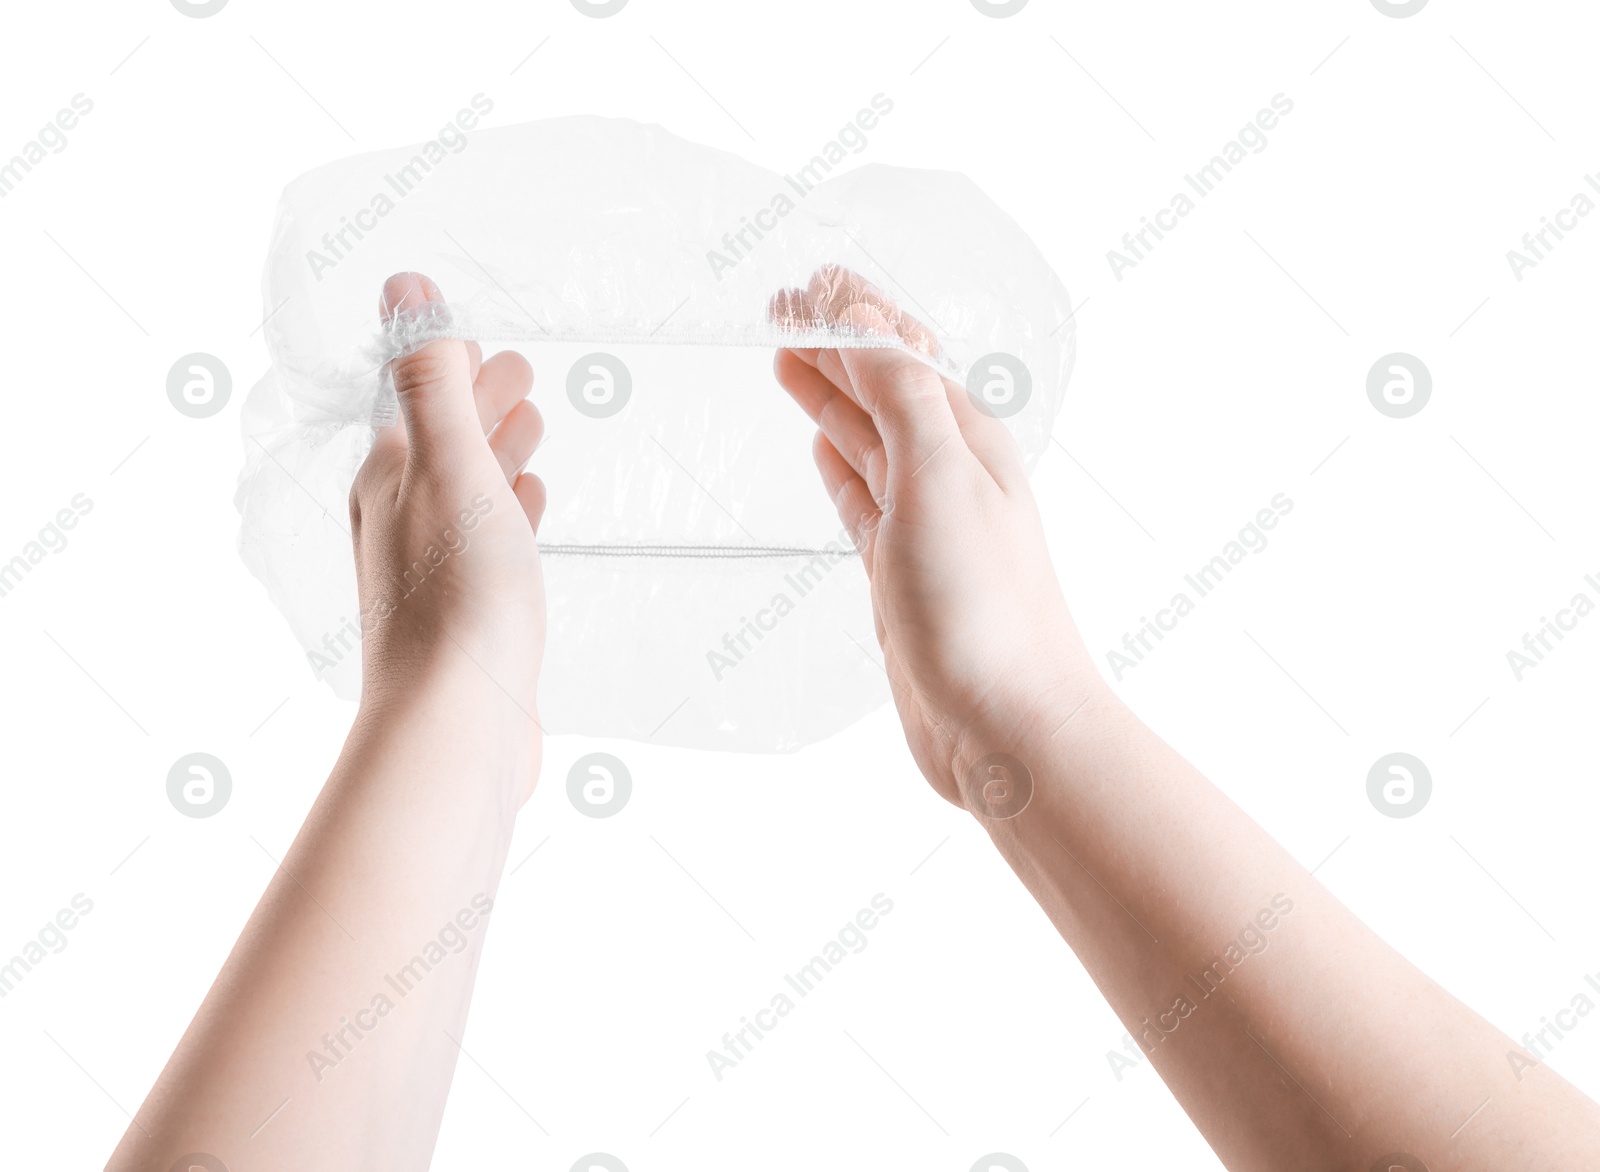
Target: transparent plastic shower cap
701, 590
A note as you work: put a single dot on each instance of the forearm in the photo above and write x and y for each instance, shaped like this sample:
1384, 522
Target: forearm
343, 999
1291, 1034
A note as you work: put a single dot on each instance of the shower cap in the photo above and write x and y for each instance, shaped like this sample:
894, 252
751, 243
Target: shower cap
701, 591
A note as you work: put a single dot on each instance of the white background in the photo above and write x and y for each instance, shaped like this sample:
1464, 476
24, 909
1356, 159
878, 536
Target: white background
1223, 369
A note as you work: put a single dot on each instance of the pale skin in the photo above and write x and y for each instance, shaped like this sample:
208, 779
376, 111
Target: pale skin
1317, 1047
414, 821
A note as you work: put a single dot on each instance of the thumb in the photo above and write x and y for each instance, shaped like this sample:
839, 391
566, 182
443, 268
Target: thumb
434, 381
905, 397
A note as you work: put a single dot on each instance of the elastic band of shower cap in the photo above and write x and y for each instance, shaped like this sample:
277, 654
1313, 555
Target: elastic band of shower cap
817, 317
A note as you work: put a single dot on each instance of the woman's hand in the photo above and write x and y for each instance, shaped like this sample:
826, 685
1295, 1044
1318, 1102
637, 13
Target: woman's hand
1309, 1056
444, 521
408, 838
976, 638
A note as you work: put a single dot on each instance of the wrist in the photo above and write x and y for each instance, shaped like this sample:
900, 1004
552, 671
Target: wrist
452, 716
430, 663
1001, 760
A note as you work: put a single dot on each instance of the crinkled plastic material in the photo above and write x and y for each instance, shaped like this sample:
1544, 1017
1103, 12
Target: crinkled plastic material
701, 589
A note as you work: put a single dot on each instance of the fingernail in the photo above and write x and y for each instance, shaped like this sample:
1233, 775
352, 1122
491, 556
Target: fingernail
404, 295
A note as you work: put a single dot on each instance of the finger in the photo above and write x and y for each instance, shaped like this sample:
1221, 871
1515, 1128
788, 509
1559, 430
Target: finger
848, 428
792, 371
502, 383
517, 436
830, 367
389, 441
828, 364
792, 309
857, 510
813, 358
433, 382
834, 290
838, 297
904, 396
991, 440
530, 494
985, 436
833, 297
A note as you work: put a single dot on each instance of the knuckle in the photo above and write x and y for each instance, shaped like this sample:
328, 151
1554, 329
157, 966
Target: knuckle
432, 366
376, 470
873, 461
905, 383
